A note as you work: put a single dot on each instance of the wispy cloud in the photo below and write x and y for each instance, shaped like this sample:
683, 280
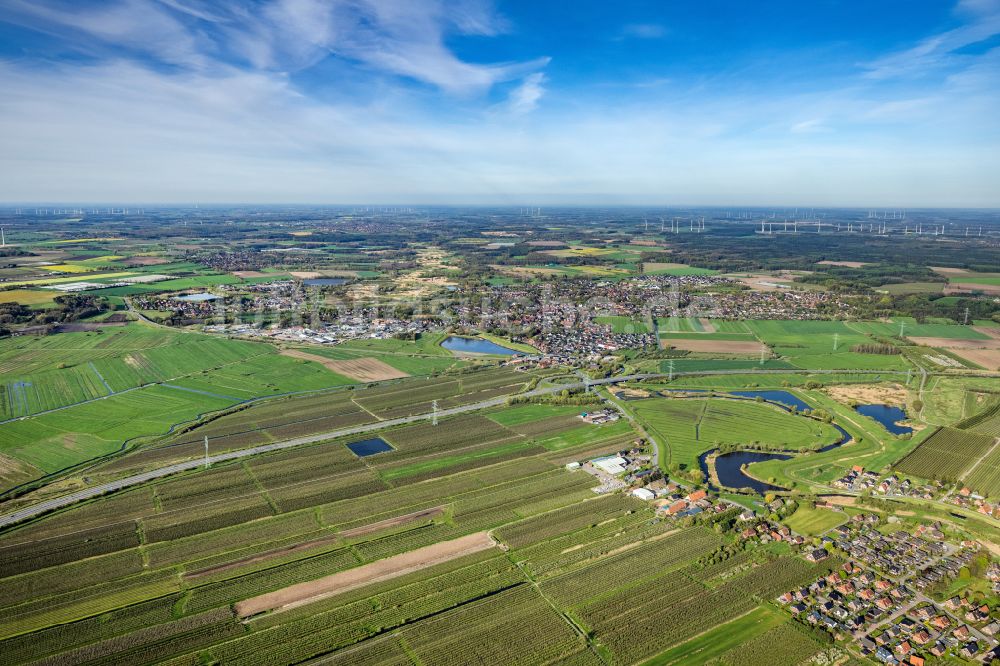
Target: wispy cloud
395, 37
643, 31
938, 51
524, 98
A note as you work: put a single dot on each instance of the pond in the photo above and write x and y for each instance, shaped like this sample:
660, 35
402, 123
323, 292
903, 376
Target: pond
784, 397
325, 282
196, 298
888, 416
476, 346
369, 447
728, 467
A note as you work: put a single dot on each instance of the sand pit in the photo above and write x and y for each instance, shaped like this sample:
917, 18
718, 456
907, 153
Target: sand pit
721, 346
344, 581
362, 369
869, 394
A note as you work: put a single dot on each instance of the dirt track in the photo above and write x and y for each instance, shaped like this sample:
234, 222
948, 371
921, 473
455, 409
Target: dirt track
391, 567
393, 522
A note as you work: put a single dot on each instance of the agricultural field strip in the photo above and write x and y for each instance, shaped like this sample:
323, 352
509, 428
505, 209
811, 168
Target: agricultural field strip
256, 492
455, 496
94, 491
978, 461
164, 382
378, 571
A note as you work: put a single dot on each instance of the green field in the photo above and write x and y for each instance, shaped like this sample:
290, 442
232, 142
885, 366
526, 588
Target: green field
808, 521
624, 324
688, 427
712, 364
821, 345
719, 640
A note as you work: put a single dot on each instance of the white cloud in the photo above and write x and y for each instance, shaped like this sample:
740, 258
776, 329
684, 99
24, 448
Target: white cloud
524, 98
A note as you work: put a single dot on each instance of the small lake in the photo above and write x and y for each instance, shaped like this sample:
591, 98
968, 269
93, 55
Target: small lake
325, 282
196, 298
369, 447
784, 397
728, 469
888, 416
476, 346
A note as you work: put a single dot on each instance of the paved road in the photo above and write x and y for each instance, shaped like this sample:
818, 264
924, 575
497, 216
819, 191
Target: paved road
40, 508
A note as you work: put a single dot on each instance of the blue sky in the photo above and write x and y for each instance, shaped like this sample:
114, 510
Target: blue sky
469, 101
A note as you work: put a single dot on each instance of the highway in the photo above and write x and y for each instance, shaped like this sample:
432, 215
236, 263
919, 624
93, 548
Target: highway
62, 501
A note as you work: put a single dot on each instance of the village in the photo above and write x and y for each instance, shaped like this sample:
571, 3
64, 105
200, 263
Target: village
562, 322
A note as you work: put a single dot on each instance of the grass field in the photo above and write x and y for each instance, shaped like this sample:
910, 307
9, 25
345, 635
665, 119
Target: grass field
871, 447
675, 269
820, 345
808, 521
719, 640
28, 297
690, 426
624, 324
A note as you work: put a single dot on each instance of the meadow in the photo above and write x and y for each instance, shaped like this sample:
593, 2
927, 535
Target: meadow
620, 324
809, 521
820, 345
688, 427
133, 383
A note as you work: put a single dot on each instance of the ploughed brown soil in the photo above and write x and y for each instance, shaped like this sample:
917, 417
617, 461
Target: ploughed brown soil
361, 369
390, 567
985, 353
722, 346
